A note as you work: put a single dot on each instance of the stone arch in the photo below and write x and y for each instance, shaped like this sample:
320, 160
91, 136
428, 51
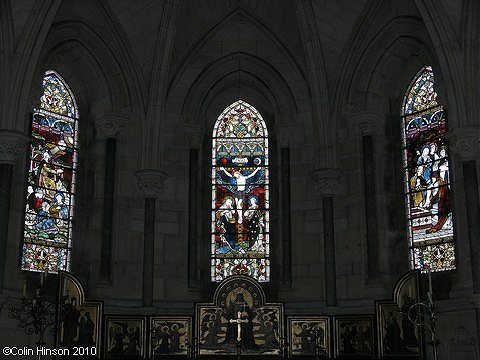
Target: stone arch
206, 79
471, 43
103, 88
79, 50
254, 74
375, 94
401, 39
253, 69
447, 49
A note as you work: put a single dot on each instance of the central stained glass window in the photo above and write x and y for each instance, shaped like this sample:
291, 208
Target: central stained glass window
240, 194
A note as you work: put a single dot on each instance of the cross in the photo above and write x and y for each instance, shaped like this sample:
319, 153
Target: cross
239, 322
244, 305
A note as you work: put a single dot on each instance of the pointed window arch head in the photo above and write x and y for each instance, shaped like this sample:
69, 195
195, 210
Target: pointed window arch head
240, 225
57, 97
421, 95
47, 237
427, 177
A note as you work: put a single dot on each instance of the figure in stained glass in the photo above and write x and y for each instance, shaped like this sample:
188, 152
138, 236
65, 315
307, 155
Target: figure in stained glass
427, 179
239, 185
240, 194
51, 179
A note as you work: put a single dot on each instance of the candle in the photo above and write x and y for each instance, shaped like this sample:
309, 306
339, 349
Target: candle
41, 279
46, 274
24, 291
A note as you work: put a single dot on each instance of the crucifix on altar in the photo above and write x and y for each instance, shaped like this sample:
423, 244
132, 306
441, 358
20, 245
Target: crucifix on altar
239, 322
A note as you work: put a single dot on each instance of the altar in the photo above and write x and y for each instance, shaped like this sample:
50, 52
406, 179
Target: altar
240, 323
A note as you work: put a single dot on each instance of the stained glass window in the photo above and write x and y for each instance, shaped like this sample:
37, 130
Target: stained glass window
427, 177
240, 194
47, 238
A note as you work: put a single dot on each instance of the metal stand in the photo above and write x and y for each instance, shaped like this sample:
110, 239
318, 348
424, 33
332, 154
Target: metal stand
239, 350
36, 315
423, 314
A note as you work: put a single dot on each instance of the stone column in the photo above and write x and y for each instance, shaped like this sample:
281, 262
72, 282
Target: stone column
193, 136
194, 194
327, 183
151, 184
465, 147
286, 216
368, 125
12, 145
109, 125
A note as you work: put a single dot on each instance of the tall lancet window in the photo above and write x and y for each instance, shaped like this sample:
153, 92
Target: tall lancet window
427, 177
47, 238
240, 194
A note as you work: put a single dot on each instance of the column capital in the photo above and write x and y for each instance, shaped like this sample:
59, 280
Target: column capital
465, 143
111, 123
150, 182
367, 122
12, 145
327, 181
193, 135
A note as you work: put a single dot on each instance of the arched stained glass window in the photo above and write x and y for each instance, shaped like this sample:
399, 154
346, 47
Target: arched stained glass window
427, 177
49, 205
240, 194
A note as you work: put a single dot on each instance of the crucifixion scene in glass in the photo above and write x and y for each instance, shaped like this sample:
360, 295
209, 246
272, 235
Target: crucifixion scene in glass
240, 194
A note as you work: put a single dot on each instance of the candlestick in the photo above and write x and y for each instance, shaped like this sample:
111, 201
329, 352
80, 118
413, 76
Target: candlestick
37, 314
430, 280
422, 314
430, 287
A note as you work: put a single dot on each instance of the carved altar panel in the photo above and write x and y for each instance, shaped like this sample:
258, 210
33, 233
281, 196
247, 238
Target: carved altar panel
170, 336
397, 336
309, 336
354, 337
125, 337
80, 320
239, 316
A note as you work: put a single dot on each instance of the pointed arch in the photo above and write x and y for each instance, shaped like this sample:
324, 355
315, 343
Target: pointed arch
240, 236
427, 176
47, 237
